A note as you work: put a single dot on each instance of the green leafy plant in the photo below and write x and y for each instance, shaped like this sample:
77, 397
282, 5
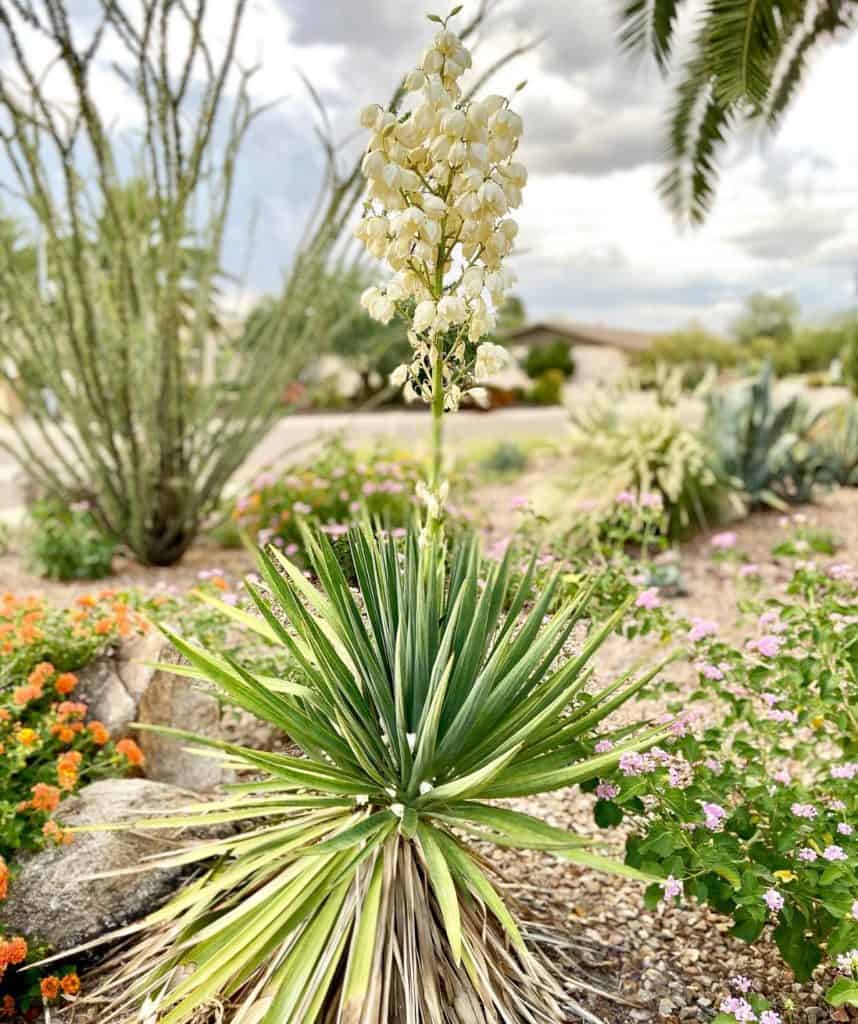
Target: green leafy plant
554, 355
764, 445
424, 697
752, 806
505, 459
335, 489
64, 542
547, 389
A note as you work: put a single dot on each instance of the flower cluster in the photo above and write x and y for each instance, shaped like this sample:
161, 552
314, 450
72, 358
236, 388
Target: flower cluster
340, 487
32, 631
442, 181
763, 823
47, 749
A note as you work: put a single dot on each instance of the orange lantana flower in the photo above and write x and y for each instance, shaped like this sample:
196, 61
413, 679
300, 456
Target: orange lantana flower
65, 683
99, 733
70, 984
129, 750
45, 798
50, 987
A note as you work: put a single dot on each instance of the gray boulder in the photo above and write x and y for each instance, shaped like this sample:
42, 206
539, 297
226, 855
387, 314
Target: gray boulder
179, 703
52, 901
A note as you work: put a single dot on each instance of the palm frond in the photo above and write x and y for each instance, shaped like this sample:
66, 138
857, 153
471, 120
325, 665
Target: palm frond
698, 127
804, 33
740, 39
649, 25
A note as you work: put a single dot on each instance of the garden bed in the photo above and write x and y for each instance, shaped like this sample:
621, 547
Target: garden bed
673, 963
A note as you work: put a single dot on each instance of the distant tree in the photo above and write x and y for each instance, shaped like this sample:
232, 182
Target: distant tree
767, 316
746, 62
511, 314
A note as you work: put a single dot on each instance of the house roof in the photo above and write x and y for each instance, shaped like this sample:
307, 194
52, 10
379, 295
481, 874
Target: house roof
582, 334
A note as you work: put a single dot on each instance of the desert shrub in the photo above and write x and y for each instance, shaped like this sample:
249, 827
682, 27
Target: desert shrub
779, 355
554, 355
835, 432
752, 805
435, 719
155, 400
850, 362
648, 453
764, 445
693, 349
506, 458
547, 389
64, 542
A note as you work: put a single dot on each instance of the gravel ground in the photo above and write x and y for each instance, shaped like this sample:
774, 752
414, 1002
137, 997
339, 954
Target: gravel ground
672, 964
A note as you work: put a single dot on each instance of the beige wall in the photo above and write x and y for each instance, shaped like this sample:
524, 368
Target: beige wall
597, 364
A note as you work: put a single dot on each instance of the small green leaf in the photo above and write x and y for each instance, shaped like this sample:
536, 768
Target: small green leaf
844, 992
607, 814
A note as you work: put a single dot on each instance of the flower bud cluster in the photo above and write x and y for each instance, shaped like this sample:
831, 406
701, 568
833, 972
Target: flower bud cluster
442, 182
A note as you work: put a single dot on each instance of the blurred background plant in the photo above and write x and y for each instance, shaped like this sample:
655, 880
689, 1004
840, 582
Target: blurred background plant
766, 445
648, 451
555, 355
143, 400
64, 542
338, 486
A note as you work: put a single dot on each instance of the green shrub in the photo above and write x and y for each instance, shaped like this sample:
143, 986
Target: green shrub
850, 363
506, 459
64, 542
648, 454
422, 702
547, 388
781, 356
694, 349
554, 355
764, 445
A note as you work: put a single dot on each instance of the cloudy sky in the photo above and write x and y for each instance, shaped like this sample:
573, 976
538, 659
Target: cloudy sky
596, 244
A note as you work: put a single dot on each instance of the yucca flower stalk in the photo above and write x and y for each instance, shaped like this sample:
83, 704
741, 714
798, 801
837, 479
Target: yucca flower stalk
442, 182
353, 890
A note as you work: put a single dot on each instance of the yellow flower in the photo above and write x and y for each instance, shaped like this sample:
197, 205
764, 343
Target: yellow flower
27, 737
785, 876
817, 721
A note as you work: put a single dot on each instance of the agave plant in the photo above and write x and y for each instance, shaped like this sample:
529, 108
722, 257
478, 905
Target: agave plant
765, 446
353, 890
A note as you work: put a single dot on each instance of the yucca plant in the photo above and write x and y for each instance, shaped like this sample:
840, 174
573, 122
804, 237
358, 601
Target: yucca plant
650, 451
354, 891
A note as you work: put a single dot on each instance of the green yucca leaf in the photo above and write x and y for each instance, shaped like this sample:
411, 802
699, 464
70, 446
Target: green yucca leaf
433, 687
443, 886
